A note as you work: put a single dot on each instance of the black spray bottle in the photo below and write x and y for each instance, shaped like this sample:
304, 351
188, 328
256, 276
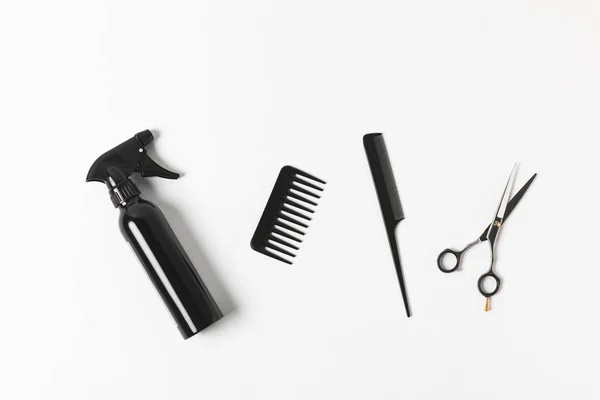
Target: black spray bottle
144, 226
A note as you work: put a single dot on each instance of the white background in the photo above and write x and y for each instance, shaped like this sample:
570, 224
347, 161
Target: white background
234, 91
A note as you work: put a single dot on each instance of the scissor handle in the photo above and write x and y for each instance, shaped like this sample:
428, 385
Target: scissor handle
482, 290
456, 254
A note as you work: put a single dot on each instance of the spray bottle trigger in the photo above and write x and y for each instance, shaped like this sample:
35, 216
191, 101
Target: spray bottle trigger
147, 167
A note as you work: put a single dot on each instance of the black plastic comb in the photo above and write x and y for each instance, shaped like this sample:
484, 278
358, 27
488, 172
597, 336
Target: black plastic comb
286, 214
389, 200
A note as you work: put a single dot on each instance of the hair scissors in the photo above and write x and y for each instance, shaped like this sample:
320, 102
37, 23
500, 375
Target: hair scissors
490, 234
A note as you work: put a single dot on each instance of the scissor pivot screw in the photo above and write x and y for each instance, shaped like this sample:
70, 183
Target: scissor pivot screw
497, 224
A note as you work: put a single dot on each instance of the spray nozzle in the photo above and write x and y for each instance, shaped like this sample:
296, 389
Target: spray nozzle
129, 157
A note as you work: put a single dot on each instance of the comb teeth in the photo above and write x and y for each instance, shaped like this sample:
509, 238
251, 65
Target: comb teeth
289, 209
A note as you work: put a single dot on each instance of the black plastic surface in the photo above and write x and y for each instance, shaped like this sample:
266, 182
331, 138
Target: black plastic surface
144, 226
286, 215
129, 157
389, 200
167, 264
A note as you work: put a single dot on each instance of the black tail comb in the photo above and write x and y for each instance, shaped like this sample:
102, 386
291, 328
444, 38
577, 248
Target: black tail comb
389, 200
284, 220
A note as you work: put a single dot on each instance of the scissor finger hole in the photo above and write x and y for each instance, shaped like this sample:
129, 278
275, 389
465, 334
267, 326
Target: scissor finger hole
449, 260
489, 285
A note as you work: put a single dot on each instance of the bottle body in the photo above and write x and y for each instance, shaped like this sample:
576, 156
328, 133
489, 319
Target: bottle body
170, 269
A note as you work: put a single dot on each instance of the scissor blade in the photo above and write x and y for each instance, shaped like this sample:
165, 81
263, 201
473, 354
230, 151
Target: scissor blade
517, 197
506, 195
511, 204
